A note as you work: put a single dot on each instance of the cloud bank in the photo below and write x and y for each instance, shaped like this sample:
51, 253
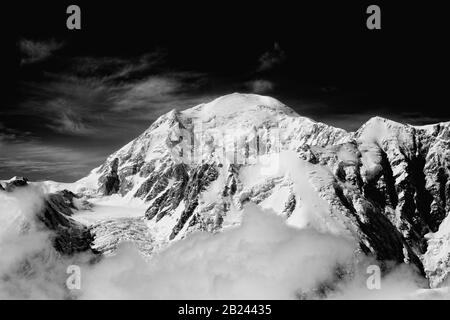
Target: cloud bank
263, 258
25, 248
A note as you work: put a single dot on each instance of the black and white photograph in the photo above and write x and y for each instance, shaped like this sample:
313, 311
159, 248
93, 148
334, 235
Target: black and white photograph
224, 151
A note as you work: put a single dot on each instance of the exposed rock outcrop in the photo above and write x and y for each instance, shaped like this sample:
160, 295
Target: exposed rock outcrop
110, 182
386, 185
68, 235
15, 182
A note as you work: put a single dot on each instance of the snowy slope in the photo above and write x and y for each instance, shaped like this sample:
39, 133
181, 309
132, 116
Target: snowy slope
385, 185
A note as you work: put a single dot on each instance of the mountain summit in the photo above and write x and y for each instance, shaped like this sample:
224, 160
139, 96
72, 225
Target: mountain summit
385, 186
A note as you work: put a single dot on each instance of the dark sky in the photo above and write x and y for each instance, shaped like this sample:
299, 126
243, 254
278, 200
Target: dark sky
73, 97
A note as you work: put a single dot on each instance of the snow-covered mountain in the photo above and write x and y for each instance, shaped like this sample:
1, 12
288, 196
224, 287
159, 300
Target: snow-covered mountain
386, 185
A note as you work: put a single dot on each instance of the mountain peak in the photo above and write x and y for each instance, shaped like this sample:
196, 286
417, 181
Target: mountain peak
237, 103
378, 120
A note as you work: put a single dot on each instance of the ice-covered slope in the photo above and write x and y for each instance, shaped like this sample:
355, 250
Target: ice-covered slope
385, 185
189, 165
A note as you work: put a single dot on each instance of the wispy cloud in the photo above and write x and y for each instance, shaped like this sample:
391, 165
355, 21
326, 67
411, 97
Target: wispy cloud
271, 58
117, 69
260, 86
147, 92
268, 61
159, 92
32, 157
76, 105
86, 107
66, 104
7, 133
67, 121
36, 51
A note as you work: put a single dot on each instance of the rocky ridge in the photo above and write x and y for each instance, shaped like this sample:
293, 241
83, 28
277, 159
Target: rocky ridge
386, 185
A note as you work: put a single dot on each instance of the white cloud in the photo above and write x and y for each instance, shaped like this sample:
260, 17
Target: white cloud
114, 68
19, 247
261, 259
152, 90
66, 120
260, 86
36, 51
30, 268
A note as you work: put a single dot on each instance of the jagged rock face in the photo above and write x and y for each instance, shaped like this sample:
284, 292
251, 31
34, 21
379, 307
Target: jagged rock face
390, 197
389, 179
437, 171
199, 179
70, 236
48, 239
110, 181
15, 182
385, 185
62, 201
165, 199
